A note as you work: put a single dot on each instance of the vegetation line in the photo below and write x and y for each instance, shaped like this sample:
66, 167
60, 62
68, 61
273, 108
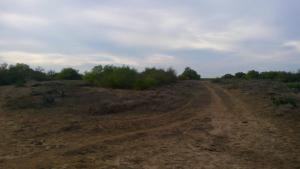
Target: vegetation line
123, 77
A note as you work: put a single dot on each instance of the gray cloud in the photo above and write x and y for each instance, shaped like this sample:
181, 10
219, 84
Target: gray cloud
212, 36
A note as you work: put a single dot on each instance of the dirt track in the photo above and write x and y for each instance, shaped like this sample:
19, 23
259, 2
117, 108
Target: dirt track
213, 130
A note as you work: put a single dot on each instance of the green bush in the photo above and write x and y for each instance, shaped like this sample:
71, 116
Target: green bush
39, 74
152, 77
111, 76
4, 78
240, 75
269, 75
51, 75
118, 77
189, 74
69, 74
20, 73
127, 78
291, 77
122, 77
252, 74
273, 75
228, 76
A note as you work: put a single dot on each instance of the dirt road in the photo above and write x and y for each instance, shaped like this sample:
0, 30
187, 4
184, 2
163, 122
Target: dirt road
213, 130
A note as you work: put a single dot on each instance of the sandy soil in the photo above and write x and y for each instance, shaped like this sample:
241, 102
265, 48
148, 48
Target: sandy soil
210, 127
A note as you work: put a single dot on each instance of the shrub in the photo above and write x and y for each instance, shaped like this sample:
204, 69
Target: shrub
118, 77
94, 75
270, 75
152, 77
252, 74
228, 76
291, 77
4, 78
111, 76
127, 78
240, 75
284, 101
39, 74
20, 73
280, 75
69, 74
189, 74
51, 75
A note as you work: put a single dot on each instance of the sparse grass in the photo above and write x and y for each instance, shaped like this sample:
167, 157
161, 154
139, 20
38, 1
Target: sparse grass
20, 83
216, 80
38, 96
284, 101
295, 86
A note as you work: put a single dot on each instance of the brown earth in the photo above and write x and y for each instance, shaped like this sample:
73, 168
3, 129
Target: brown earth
190, 124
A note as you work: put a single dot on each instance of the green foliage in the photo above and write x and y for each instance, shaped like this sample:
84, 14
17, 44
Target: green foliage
240, 75
228, 76
107, 76
295, 86
111, 76
285, 101
273, 75
118, 77
4, 78
270, 75
20, 73
51, 75
94, 76
189, 74
39, 74
152, 77
252, 74
291, 77
127, 78
69, 74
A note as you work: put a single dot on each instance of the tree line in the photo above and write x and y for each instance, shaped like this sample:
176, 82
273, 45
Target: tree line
268, 75
123, 77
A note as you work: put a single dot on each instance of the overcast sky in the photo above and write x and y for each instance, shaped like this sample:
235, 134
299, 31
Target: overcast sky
211, 36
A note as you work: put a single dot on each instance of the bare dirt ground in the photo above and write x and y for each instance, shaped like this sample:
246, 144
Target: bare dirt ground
193, 125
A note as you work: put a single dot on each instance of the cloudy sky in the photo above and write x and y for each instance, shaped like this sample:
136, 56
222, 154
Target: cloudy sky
212, 36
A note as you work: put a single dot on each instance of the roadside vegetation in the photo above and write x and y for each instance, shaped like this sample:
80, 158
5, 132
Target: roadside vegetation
282, 88
291, 79
269, 75
189, 74
120, 77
